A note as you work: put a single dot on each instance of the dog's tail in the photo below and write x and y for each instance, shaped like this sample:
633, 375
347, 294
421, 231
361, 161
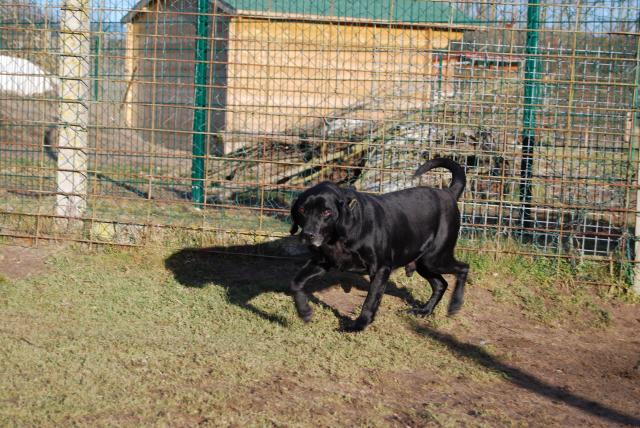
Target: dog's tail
459, 178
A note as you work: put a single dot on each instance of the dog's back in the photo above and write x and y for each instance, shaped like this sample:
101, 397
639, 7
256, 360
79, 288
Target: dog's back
421, 220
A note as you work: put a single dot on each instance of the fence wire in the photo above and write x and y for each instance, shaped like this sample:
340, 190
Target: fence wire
213, 115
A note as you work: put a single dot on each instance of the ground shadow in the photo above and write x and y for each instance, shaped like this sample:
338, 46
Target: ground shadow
247, 271
525, 380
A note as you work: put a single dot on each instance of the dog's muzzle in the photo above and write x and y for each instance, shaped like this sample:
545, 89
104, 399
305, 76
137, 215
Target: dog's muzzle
313, 239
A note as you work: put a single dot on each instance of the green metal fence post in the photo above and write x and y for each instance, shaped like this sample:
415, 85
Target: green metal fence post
635, 143
531, 101
200, 112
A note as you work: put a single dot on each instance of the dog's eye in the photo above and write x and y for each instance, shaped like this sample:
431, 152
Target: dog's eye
326, 213
301, 210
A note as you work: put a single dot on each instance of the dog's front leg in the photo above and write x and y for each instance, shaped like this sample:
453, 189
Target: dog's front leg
310, 270
372, 302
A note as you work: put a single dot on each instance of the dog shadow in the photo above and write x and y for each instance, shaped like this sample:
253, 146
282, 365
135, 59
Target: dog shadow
247, 271
524, 380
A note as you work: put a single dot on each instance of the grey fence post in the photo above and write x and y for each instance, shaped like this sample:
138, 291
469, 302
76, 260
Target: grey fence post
74, 111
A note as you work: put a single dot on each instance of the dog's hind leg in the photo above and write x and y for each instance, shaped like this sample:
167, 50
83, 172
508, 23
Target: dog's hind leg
461, 270
308, 271
438, 287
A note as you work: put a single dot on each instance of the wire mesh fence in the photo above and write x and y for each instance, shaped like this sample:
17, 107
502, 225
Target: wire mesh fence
212, 115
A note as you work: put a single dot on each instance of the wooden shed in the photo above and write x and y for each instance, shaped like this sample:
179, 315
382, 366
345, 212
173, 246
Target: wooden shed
279, 67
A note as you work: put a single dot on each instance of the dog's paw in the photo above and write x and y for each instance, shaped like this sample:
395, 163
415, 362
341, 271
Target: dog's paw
420, 311
305, 314
454, 308
346, 287
350, 326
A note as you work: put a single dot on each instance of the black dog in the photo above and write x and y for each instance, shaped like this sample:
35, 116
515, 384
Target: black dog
416, 228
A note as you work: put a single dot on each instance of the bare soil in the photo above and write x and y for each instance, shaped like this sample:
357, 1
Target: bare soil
18, 262
552, 375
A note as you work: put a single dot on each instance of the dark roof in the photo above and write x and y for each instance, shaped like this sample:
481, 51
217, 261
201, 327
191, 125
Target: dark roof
366, 11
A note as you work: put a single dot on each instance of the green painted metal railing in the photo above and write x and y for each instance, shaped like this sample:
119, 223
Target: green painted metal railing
530, 108
200, 112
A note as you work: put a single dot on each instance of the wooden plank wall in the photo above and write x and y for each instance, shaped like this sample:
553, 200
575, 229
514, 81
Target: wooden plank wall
274, 77
285, 76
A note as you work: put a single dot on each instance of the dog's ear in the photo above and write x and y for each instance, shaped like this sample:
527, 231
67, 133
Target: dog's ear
346, 204
348, 199
351, 203
294, 225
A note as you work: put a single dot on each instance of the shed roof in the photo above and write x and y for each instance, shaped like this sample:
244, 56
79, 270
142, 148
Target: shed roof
365, 11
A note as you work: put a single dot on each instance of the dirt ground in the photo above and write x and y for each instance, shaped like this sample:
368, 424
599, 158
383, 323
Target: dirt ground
552, 375
559, 376
22, 261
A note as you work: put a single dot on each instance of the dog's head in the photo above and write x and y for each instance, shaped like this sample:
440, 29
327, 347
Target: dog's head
323, 213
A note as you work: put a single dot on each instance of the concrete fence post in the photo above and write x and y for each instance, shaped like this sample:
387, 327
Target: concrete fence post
74, 69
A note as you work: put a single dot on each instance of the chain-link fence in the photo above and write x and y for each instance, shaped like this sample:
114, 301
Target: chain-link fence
212, 115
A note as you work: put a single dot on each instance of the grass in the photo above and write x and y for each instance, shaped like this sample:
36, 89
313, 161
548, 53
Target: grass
535, 287
549, 290
112, 334
112, 337
122, 220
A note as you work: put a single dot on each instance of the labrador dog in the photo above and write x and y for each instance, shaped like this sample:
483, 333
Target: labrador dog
415, 228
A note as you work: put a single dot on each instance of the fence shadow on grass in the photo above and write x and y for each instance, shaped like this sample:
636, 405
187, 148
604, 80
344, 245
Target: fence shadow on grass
525, 380
247, 271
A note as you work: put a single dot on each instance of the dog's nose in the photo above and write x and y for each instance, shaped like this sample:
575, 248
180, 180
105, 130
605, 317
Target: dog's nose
308, 236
